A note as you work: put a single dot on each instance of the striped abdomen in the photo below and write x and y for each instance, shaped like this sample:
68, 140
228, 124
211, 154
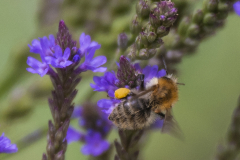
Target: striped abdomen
133, 114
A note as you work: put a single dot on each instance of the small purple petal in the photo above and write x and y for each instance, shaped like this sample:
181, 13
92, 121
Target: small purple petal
95, 145
73, 135
6, 146
66, 53
58, 51
37, 67
100, 69
98, 61
77, 112
36, 47
161, 73
107, 105
236, 7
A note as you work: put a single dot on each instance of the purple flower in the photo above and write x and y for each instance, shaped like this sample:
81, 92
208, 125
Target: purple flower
152, 71
95, 145
236, 7
96, 125
38, 67
6, 146
86, 45
51, 53
43, 45
61, 60
88, 48
73, 135
107, 105
105, 83
93, 64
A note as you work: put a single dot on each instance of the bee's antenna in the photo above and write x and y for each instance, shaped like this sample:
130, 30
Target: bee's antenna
164, 63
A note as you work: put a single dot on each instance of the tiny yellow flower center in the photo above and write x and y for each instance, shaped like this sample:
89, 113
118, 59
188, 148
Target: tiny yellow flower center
121, 93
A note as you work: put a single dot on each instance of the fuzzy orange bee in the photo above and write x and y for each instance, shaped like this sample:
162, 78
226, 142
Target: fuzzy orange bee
139, 109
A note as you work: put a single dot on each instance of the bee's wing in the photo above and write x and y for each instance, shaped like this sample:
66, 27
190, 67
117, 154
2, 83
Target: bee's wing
170, 126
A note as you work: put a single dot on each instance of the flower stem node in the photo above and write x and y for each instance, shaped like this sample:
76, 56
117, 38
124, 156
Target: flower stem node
122, 41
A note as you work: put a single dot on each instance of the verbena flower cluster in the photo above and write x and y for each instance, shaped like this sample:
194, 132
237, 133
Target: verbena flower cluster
6, 146
60, 58
126, 76
53, 54
96, 126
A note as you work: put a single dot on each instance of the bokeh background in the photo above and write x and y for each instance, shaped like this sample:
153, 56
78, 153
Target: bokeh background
207, 101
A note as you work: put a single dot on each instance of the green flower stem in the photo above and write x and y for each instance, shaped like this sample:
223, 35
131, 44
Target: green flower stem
232, 148
127, 148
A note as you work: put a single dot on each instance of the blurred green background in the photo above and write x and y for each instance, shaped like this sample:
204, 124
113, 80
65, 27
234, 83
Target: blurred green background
207, 101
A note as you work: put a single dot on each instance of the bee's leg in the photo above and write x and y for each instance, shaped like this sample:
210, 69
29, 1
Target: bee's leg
141, 77
161, 115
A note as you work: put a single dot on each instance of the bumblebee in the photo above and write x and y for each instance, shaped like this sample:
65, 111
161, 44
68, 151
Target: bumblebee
140, 108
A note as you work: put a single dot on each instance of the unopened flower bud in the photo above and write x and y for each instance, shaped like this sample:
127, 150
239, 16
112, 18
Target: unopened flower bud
169, 21
131, 52
222, 10
151, 37
136, 25
59, 156
122, 41
154, 20
59, 134
143, 8
138, 42
209, 18
143, 54
223, 7
212, 5
162, 31
74, 50
44, 157
193, 30
76, 58
143, 38
149, 27
152, 52
50, 148
183, 26
156, 44
197, 16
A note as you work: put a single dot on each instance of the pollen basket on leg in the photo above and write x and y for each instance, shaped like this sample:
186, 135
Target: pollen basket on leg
121, 93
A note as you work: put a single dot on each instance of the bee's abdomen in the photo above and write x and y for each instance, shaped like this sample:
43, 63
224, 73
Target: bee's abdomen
132, 114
